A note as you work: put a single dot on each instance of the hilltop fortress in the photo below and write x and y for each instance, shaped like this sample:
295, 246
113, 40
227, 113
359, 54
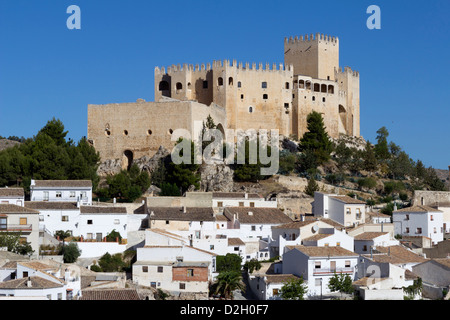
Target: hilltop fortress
237, 96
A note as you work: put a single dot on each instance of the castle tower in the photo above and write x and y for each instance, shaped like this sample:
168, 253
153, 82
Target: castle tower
314, 56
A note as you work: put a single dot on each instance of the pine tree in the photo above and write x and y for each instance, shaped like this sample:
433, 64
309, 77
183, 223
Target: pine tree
311, 187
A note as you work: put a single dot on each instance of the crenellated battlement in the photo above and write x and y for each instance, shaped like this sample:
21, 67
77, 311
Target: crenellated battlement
347, 70
224, 64
311, 37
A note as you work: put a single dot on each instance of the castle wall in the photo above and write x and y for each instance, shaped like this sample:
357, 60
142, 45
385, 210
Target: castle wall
142, 127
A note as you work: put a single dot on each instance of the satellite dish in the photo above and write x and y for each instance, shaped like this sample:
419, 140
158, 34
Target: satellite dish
315, 228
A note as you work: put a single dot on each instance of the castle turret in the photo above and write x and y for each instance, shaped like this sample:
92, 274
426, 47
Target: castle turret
315, 56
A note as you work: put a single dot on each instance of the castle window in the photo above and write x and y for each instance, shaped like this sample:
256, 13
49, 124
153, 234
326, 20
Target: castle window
170, 131
331, 89
323, 99
301, 84
286, 105
239, 84
230, 81
250, 109
242, 96
125, 132
265, 96
179, 86
163, 86
286, 86
205, 84
149, 132
264, 85
313, 98
316, 87
107, 132
324, 88
308, 85
220, 81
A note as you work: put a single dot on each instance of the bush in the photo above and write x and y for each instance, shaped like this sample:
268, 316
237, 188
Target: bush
368, 183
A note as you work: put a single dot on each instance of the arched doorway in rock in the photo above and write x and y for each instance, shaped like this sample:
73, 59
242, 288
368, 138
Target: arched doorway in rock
127, 160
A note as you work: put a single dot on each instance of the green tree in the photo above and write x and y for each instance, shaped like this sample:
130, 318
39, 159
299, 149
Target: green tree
369, 158
381, 148
113, 236
227, 282
316, 139
228, 262
11, 240
311, 187
293, 289
251, 170
71, 252
252, 265
169, 190
111, 263
341, 283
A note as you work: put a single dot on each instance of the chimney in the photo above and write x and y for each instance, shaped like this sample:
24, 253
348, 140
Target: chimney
29, 285
250, 213
246, 195
184, 209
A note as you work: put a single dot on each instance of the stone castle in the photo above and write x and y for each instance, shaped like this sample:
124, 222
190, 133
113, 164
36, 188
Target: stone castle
237, 96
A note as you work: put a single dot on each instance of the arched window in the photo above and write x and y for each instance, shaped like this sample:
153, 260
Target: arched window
179, 86
324, 88
220, 81
230, 81
264, 85
250, 109
316, 87
239, 84
265, 96
301, 84
308, 85
286, 85
127, 159
163, 86
331, 89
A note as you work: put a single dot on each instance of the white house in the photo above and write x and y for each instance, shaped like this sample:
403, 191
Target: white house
364, 241
23, 221
445, 208
377, 218
62, 190
12, 196
167, 262
329, 237
344, 210
241, 199
96, 222
34, 279
419, 221
318, 264
55, 216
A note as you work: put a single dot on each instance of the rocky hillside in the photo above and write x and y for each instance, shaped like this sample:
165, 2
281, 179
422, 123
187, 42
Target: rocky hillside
5, 143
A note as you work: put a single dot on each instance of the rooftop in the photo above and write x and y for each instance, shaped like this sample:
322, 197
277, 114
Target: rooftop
62, 184
257, 215
102, 210
35, 283
110, 294
11, 192
51, 205
12, 208
236, 195
177, 213
418, 208
369, 235
348, 200
395, 255
324, 251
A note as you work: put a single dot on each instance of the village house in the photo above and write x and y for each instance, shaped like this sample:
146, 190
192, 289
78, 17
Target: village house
419, 220
12, 196
62, 190
167, 262
435, 275
38, 280
344, 210
318, 264
241, 199
366, 240
23, 221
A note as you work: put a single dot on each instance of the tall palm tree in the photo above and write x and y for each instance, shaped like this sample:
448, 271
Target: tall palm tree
227, 282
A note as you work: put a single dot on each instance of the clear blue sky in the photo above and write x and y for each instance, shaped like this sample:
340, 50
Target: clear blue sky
47, 70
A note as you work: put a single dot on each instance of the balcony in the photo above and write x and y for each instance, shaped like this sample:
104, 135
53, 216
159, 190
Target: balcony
15, 227
327, 271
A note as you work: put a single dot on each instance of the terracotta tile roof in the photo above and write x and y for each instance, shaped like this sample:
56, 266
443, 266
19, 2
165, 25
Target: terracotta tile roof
110, 294
418, 208
324, 251
63, 183
12, 208
317, 237
377, 214
221, 217
50, 205
396, 255
235, 195
348, 200
36, 283
369, 235
235, 242
294, 224
176, 213
102, 210
257, 215
280, 278
11, 192
409, 275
